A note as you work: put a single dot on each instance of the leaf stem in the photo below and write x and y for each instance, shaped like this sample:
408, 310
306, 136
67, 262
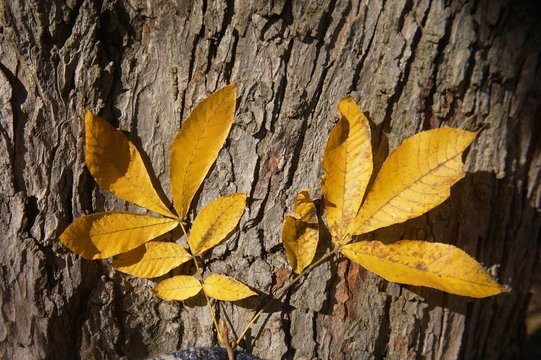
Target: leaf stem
200, 276
194, 257
214, 320
283, 290
183, 230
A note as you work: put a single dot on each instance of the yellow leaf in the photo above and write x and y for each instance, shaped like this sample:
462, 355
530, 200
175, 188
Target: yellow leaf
198, 143
152, 259
300, 241
347, 163
305, 208
221, 287
103, 235
300, 233
180, 288
215, 222
415, 178
422, 263
117, 166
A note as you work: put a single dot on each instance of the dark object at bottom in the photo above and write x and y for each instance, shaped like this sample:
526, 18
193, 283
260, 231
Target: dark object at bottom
204, 353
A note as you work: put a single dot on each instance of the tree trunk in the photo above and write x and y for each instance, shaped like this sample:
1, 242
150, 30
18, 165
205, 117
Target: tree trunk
411, 65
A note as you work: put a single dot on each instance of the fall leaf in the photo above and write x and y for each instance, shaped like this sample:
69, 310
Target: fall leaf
215, 222
300, 233
423, 263
347, 163
225, 288
117, 166
415, 178
305, 208
198, 143
103, 235
179, 287
152, 259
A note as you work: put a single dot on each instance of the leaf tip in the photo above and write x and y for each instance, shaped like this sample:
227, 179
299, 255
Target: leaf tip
88, 114
230, 89
346, 99
159, 295
347, 103
88, 118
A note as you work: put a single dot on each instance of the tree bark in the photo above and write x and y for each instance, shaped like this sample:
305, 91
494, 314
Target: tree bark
411, 65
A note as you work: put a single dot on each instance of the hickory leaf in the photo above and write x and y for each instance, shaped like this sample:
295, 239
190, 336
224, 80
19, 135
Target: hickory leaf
152, 259
103, 235
179, 287
215, 222
225, 288
415, 178
300, 233
423, 263
347, 163
198, 143
117, 166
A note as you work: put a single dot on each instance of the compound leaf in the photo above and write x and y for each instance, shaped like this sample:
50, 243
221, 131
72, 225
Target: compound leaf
198, 143
152, 259
422, 263
225, 288
180, 288
347, 163
103, 235
117, 166
215, 222
300, 233
415, 178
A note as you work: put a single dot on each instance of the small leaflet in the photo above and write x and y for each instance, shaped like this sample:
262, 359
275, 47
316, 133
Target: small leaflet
217, 220
300, 233
180, 288
225, 288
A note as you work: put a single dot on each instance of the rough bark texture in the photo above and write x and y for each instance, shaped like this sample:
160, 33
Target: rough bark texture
412, 65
